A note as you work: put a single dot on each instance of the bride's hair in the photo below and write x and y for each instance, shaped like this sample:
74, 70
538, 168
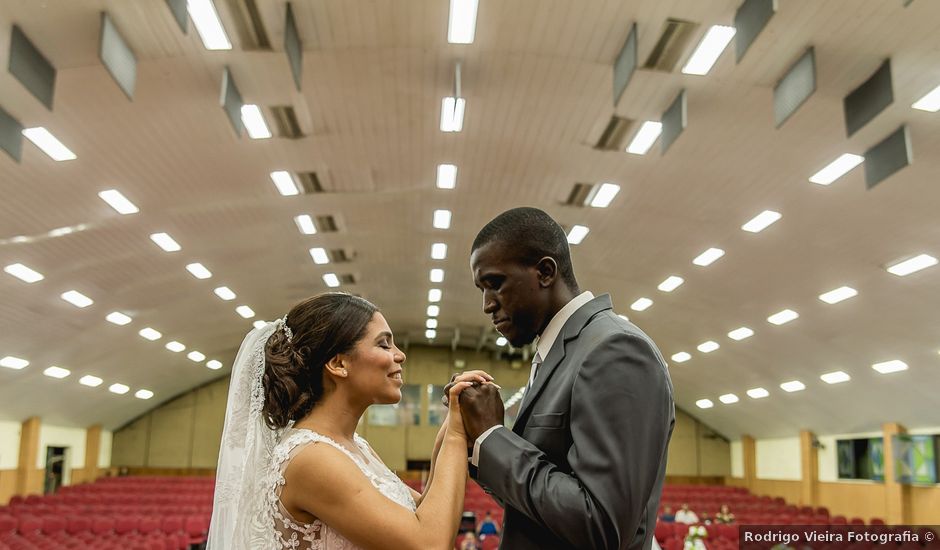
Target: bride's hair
323, 327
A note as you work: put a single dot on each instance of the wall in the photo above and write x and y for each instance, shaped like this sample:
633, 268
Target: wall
779, 459
696, 450
737, 459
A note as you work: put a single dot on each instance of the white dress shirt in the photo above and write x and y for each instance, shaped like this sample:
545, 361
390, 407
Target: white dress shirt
545, 342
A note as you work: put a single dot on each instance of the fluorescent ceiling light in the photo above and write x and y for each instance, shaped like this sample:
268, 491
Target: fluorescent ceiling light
452, 109
245, 312
888, 367
430, 334
434, 311
208, 25
77, 299
740, 333
708, 347
437, 275
119, 202
150, 334
284, 183
56, 372
641, 304
15, 363
930, 102
119, 389
175, 346
501, 341
225, 293
836, 169
792, 386
761, 221
708, 257
90, 381
462, 22
782, 317
431, 323
704, 404
196, 356
757, 393
434, 295
143, 394
118, 318
681, 357
708, 50
442, 219
728, 398
199, 271
577, 234
839, 294
305, 224
331, 280
24, 273
913, 265
604, 195
438, 251
671, 283
645, 137
165, 242
446, 176
259, 324
254, 122
319, 256
214, 364
835, 377
49, 144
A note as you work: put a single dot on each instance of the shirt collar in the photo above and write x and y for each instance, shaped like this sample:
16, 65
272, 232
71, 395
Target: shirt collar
550, 334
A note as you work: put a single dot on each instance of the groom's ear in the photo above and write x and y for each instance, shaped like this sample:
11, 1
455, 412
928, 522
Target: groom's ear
547, 269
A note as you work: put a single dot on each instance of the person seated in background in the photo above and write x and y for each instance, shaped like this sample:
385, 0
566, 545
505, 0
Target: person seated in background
668, 516
725, 515
487, 526
469, 542
685, 515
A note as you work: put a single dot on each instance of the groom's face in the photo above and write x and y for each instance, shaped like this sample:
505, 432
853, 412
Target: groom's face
512, 297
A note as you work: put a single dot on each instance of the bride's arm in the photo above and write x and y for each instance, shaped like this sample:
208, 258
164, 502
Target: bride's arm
437, 448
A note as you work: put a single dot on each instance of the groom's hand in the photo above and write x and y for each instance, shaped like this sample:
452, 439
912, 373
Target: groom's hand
482, 408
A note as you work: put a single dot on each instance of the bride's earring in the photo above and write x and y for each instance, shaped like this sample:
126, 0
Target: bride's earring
345, 372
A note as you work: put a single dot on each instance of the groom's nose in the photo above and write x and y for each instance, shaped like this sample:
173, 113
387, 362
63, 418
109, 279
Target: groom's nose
489, 303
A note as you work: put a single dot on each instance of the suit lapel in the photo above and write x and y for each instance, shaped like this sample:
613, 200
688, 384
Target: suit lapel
556, 355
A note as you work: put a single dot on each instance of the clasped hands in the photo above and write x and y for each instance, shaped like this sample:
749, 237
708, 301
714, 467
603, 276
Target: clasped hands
481, 405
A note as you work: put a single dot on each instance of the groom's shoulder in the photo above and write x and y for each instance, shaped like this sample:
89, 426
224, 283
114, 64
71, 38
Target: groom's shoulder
609, 330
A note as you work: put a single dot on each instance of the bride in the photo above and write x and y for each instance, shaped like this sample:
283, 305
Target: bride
292, 471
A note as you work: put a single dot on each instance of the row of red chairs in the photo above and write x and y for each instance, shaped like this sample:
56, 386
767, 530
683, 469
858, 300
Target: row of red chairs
172, 532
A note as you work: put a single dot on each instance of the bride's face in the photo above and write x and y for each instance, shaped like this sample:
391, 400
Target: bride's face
375, 369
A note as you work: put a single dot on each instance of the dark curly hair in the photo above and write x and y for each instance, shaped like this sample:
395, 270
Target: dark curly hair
323, 327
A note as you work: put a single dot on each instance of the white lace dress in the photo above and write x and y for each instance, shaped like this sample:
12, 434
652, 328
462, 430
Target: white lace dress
317, 535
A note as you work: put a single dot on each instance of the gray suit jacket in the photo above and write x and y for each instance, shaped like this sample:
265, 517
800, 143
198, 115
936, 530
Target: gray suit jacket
584, 464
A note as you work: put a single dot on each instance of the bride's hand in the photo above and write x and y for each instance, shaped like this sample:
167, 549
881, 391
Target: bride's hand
477, 376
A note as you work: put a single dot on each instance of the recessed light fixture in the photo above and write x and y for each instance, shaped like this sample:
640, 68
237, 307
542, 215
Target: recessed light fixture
836, 377
671, 283
888, 367
285, 183
430, 323
930, 102
501, 341
214, 364
437, 275
208, 25
604, 195
438, 251
24, 273
245, 312
708, 257
143, 394
836, 169
90, 381
119, 202
641, 304
740, 333
199, 271
319, 256
645, 137
331, 280
225, 293
681, 357
175, 346
434, 295
452, 110
761, 221
704, 404
728, 398
49, 144
150, 334
118, 318
708, 347
434, 311
442, 219
577, 234
196, 357
77, 299
913, 265
254, 122
14, 363
462, 21
446, 176
708, 50
56, 372
305, 224
792, 386
757, 393
166, 242
119, 389
430, 334
782, 317
839, 294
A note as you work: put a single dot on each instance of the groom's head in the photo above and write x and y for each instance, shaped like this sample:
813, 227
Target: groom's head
521, 263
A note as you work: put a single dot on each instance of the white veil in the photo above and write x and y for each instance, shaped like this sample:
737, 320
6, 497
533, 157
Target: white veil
241, 518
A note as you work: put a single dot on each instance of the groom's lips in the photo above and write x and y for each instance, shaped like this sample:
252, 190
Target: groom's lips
500, 322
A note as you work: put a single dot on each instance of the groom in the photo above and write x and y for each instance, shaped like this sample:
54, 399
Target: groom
583, 466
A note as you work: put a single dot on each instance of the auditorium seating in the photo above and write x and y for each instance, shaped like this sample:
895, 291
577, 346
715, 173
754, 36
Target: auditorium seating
138, 513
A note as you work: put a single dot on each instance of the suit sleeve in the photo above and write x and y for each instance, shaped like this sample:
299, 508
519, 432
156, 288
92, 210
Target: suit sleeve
621, 417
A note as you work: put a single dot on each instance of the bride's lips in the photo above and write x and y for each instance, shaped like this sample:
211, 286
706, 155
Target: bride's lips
396, 376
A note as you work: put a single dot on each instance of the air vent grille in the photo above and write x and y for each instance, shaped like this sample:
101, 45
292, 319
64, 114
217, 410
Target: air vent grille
310, 182
285, 118
248, 25
672, 43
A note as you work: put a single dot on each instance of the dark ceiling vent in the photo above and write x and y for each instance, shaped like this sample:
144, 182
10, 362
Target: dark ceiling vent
672, 43
347, 279
309, 182
341, 255
326, 224
579, 194
248, 25
285, 118
615, 134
